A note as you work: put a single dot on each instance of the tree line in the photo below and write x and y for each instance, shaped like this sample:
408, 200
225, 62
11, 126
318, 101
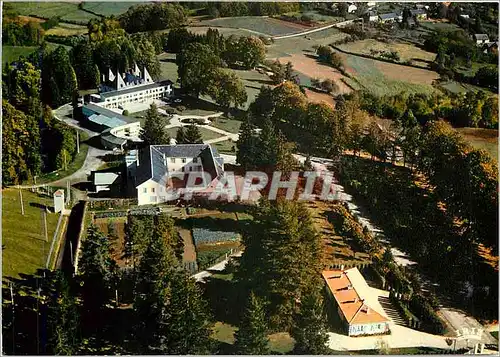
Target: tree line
18, 33
233, 9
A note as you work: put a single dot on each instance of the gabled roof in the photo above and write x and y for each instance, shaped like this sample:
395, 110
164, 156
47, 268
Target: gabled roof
481, 36
101, 119
417, 12
105, 178
153, 163
390, 15
353, 296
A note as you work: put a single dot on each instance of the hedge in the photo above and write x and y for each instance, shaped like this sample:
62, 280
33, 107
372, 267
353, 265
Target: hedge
431, 321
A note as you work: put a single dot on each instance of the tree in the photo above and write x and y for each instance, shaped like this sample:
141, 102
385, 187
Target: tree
59, 81
196, 67
329, 86
192, 135
87, 73
146, 56
251, 337
309, 331
154, 132
489, 114
180, 136
153, 17
63, 318
247, 145
342, 9
252, 51
226, 89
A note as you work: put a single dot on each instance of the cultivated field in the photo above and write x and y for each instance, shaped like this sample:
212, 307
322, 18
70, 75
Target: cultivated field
486, 139
24, 249
108, 8
406, 51
259, 25
382, 78
65, 10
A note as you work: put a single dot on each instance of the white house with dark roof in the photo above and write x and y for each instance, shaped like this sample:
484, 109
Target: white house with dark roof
158, 170
481, 38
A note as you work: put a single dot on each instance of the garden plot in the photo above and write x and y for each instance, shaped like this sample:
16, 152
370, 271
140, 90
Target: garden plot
116, 225
258, 25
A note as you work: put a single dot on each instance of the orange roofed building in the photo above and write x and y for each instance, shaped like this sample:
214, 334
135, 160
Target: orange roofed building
352, 296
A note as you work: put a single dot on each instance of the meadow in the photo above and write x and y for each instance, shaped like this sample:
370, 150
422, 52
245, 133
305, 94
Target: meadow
407, 52
108, 8
485, 139
12, 53
67, 11
66, 29
24, 248
259, 25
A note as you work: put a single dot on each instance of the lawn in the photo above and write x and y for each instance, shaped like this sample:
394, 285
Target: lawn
486, 139
382, 78
226, 147
65, 10
253, 81
230, 125
260, 25
434, 25
406, 51
316, 17
24, 249
108, 8
206, 134
12, 53
168, 67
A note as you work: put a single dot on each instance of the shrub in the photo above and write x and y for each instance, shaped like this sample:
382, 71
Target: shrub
125, 112
181, 108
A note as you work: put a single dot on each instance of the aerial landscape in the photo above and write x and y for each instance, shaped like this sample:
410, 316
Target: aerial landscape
253, 178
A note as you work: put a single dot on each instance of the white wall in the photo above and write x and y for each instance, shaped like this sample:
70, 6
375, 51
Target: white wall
140, 96
368, 329
176, 164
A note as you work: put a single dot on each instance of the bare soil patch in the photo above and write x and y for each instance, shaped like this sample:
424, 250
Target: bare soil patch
317, 97
189, 254
408, 74
312, 69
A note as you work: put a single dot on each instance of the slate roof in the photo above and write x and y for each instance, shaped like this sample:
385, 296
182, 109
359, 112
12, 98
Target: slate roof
388, 16
417, 12
106, 121
104, 111
115, 93
481, 36
152, 166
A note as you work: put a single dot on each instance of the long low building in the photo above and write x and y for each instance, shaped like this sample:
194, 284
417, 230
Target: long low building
351, 294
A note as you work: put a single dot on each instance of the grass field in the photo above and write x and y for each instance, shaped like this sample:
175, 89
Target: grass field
230, 125
65, 29
206, 134
435, 25
316, 17
226, 147
65, 10
24, 249
12, 53
406, 51
458, 87
486, 139
108, 8
168, 67
382, 78
260, 25
253, 81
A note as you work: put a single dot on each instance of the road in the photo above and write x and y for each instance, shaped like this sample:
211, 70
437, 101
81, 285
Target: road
200, 276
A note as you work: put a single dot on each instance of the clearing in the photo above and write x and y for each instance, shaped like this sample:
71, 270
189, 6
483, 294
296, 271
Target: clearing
259, 25
485, 139
65, 29
24, 248
407, 52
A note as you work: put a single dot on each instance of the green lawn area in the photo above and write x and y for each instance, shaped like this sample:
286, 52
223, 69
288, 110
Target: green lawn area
65, 10
261, 25
24, 249
230, 125
206, 134
66, 29
226, 147
12, 53
168, 66
108, 8
486, 139
447, 26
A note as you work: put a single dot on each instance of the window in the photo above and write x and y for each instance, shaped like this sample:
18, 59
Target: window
152, 190
195, 160
152, 199
190, 168
144, 190
172, 160
183, 160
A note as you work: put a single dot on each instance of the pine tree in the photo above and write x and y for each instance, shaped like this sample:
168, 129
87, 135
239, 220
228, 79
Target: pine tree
154, 132
63, 318
193, 135
180, 137
309, 331
251, 337
247, 145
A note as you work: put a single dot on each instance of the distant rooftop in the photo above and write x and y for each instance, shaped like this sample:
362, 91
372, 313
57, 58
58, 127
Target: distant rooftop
106, 121
481, 36
105, 178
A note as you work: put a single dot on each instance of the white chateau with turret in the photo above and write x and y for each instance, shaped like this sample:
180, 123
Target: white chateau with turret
132, 87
